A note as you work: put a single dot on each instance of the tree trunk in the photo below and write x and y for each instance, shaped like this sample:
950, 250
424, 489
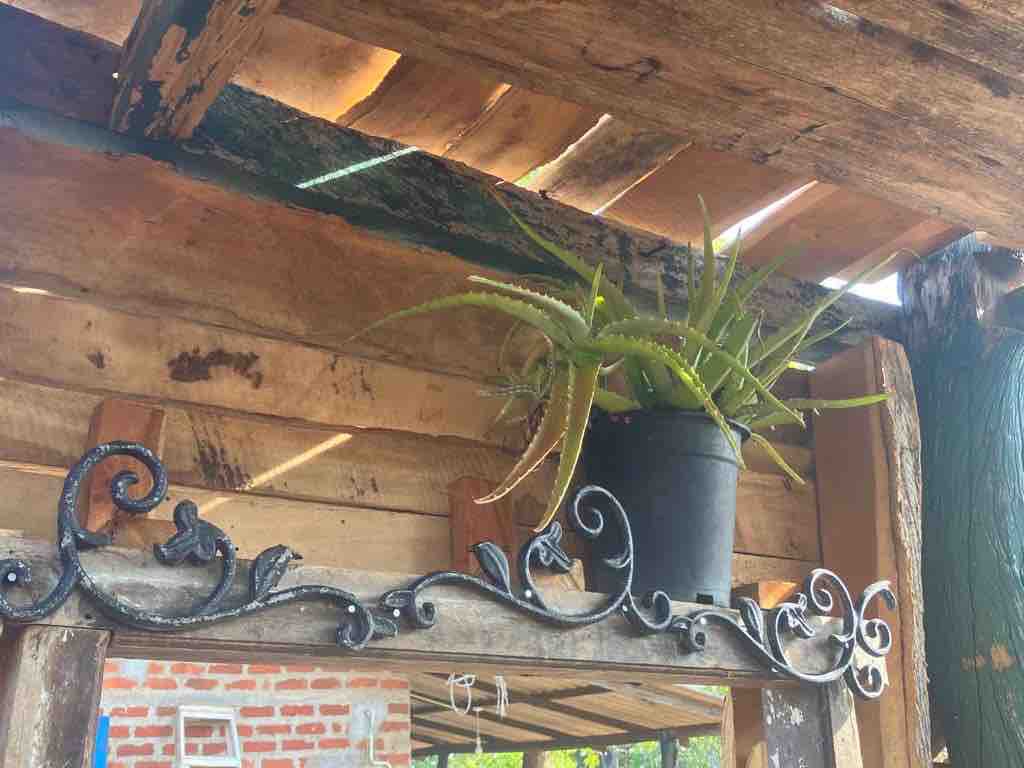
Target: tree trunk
967, 358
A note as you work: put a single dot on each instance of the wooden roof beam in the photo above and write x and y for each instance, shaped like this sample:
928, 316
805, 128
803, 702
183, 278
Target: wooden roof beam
936, 132
262, 148
178, 58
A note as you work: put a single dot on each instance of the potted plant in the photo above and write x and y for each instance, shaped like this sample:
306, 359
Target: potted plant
679, 397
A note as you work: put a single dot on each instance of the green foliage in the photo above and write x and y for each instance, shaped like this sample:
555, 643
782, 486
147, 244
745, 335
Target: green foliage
713, 359
700, 752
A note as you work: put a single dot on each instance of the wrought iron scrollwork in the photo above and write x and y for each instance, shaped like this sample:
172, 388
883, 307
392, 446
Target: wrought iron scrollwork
196, 541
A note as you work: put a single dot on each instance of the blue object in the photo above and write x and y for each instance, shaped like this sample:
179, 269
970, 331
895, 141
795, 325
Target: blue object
99, 750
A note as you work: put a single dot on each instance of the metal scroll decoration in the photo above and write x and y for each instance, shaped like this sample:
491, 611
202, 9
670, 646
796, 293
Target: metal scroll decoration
768, 637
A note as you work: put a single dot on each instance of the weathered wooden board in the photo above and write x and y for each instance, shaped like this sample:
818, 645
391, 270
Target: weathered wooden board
604, 164
871, 529
63, 71
732, 187
244, 134
521, 131
728, 74
422, 104
840, 228
117, 419
86, 347
47, 427
985, 32
314, 70
176, 60
203, 253
465, 638
50, 684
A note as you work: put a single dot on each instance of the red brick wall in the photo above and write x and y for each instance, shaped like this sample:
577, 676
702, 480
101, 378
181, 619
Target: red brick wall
288, 716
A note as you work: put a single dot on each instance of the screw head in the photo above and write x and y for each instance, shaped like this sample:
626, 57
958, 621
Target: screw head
12, 577
351, 609
528, 594
703, 622
396, 613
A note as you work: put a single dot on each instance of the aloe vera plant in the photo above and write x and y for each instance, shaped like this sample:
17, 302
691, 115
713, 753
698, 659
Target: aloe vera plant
713, 359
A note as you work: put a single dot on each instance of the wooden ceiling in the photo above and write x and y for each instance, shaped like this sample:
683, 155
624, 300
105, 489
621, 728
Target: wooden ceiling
555, 713
897, 120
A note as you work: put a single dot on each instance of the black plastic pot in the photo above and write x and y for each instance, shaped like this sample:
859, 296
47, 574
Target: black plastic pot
676, 476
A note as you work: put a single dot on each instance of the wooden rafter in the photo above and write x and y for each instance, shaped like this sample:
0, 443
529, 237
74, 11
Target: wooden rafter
854, 103
178, 57
263, 148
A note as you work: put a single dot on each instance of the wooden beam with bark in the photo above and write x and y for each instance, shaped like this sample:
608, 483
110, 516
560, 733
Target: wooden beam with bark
178, 57
262, 149
804, 87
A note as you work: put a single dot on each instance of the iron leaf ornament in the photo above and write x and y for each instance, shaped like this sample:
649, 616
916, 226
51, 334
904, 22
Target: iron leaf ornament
766, 636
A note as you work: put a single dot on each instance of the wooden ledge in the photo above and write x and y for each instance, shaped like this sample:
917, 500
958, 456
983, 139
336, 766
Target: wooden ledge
473, 634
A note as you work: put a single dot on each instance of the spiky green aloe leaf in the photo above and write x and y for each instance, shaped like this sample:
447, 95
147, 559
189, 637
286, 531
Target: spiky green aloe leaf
716, 370
616, 298
573, 322
649, 326
810, 341
677, 364
799, 327
612, 402
581, 398
776, 457
516, 308
550, 431
592, 299
765, 416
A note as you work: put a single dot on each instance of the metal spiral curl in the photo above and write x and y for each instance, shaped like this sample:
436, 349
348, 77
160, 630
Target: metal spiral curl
195, 541
199, 542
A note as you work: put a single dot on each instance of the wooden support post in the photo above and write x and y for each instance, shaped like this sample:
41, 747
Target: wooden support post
50, 684
533, 758
669, 750
442, 760
177, 59
963, 322
869, 492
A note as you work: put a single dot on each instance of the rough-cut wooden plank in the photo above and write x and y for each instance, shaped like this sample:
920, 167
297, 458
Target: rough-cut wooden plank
842, 719
310, 68
86, 347
463, 638
780, 518
728, 75
46, 427
922, 239
841, 228
520, 132
423, 104
206, 254
244, 134
796, 728
727, 735
767, 594
747, 569
902, 439
327, 533
314, 70
604, 164
985, 32
733, 188
176, 60
50, 684
116, 419
63, 71
862, 539
472, 523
